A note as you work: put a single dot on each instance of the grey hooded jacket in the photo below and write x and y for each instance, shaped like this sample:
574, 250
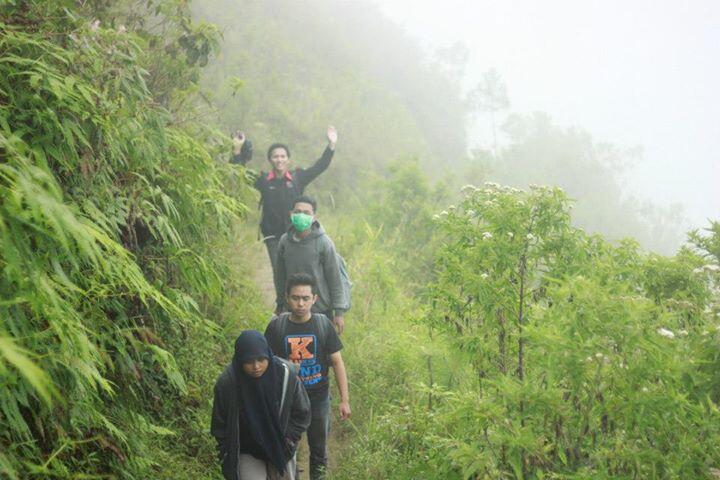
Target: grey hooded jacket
314, 254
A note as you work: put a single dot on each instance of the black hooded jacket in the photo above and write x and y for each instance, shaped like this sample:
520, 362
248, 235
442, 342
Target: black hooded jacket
294, 415
277, 194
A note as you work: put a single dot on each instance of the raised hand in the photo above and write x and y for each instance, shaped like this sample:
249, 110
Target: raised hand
332, 136
238, 139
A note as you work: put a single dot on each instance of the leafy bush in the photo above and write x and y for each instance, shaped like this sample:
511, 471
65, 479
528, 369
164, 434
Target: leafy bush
586, 354
546, 353
111, 219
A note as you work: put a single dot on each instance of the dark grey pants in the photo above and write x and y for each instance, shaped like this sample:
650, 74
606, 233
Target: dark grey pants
271, 243
317, 434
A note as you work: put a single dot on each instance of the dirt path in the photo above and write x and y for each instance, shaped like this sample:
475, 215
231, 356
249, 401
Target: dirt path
262, 275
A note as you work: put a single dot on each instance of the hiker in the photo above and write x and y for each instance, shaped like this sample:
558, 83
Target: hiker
280, 186
260, 411
306, 248
310, 340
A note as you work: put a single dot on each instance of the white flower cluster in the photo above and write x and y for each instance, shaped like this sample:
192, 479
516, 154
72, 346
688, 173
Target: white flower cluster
484, 276
599, 356
664, 332
707, 268
438, 216
487, 235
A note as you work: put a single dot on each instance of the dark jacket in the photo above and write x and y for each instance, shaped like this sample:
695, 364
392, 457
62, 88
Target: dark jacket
294, 416
277, 194
315, 255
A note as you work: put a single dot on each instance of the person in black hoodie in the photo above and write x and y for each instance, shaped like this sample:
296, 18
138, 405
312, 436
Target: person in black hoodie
279, 187
260, 410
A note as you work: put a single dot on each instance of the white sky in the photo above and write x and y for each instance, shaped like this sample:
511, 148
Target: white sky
631, 72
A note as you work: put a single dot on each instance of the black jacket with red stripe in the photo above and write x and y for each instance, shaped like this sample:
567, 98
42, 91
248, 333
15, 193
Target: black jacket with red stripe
277, 194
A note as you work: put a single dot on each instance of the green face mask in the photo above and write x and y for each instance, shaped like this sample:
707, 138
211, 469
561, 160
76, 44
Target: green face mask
301, 221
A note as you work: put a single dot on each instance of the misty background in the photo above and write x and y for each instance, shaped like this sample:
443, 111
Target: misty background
642, 73
615, 103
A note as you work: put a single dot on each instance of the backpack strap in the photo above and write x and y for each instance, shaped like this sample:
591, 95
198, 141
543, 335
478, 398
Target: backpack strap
286, 380
321, 326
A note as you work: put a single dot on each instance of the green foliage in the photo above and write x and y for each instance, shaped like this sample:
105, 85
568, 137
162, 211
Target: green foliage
549, 353
111, 224
588, 357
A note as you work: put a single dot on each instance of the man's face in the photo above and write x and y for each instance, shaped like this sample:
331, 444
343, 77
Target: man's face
302, 207
256, 367
300, 300
279, 159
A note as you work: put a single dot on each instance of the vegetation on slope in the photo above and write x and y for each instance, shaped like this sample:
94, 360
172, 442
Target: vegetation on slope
113, 220
530, 350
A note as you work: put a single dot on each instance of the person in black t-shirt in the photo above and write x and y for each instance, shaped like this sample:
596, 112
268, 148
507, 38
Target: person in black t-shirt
280, 186
309, 339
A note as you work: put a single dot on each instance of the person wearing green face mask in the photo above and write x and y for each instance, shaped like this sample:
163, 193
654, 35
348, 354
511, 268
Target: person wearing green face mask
301, 221
306, 248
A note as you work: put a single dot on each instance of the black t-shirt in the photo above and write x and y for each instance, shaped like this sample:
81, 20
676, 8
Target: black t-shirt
311, 342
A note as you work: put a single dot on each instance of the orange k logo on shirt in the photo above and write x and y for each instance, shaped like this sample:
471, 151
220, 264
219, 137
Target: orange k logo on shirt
299, 347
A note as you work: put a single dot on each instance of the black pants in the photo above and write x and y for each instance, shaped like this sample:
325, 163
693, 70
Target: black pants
271, 243
317, 434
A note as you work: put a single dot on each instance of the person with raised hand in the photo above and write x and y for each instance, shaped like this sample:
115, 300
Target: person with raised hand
281, 185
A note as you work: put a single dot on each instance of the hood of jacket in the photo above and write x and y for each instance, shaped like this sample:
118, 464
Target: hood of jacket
316, 230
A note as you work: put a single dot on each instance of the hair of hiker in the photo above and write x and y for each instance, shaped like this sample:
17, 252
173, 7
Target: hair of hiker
278, 145
300, 279
306, 199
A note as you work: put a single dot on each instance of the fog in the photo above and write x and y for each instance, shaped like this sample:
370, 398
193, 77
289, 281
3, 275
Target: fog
642, 73
614, 103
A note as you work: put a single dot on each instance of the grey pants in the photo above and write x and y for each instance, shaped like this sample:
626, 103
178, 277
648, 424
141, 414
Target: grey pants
271, 243
317, 434
250, 468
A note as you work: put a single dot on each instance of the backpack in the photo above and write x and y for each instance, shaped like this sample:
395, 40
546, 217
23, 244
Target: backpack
345, 281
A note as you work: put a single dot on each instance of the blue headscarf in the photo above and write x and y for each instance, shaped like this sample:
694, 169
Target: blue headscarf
261, 396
